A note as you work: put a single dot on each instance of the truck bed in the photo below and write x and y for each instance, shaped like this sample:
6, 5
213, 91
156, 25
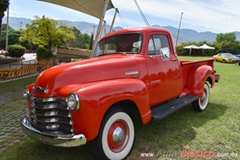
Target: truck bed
187, 65
191, 62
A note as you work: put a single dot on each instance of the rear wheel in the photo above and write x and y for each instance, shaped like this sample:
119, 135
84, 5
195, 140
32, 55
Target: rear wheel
116, 135
201, 104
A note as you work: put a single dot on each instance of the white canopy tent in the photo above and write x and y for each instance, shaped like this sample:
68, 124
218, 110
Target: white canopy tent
190, 47
205, 46
90, 7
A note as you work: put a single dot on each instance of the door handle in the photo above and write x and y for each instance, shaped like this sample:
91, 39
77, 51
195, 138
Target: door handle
174, 59
154, 56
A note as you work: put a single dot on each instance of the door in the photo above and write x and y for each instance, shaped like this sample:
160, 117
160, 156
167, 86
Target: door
165, 78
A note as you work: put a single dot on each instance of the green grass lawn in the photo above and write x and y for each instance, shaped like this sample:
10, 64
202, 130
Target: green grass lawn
214, 131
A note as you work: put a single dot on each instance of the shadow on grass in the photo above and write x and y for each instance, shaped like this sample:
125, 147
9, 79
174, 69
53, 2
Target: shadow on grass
175, 132
170, 134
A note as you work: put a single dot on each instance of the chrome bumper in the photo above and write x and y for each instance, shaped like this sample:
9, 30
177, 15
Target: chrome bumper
53, 140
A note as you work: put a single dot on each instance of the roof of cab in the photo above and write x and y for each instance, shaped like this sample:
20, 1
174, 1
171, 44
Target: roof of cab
139, 29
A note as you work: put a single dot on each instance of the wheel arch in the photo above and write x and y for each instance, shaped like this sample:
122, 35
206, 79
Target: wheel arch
98, 97
198, 77
130, 107
210, 81
125, 104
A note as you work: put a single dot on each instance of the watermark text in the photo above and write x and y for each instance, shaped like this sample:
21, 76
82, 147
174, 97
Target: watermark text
189, 154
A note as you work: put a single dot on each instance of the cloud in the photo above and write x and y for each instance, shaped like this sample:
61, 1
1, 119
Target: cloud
213, 15
200, 15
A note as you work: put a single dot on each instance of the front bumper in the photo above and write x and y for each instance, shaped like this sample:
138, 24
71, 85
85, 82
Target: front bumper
49, 139
232, 60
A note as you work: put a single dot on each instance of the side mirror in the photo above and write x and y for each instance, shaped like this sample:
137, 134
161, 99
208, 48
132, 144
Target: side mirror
165, 52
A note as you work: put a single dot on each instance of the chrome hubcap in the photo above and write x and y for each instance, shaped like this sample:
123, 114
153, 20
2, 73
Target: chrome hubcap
118, 135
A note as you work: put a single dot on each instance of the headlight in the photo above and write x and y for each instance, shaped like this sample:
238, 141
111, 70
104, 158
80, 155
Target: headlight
26, 93
73, 102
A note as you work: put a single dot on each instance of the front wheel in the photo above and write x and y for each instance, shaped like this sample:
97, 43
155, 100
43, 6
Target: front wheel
116, 136
201, 104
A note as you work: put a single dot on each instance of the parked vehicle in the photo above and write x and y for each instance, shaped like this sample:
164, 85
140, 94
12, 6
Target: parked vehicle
238, 61
131, 71
225, 58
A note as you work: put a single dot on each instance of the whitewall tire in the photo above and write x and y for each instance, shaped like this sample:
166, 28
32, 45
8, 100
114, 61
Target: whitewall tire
116, 136
201, 103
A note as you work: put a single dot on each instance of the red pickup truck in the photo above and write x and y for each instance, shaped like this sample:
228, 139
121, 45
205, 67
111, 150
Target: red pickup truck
93, 100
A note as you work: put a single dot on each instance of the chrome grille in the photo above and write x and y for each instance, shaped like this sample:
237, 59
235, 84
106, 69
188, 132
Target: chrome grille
51, 115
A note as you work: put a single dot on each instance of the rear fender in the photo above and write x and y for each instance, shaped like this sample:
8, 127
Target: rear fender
97, 97
197, 78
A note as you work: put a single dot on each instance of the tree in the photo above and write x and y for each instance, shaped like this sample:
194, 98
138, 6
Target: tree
91, 42
44, 32
85, 41
227, 37
13, 36
81, 41
4, 4
74, 43
227, 43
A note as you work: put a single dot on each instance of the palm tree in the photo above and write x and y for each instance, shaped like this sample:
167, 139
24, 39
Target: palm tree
3, 7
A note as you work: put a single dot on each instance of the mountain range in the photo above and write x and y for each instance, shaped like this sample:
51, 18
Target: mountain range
186, 35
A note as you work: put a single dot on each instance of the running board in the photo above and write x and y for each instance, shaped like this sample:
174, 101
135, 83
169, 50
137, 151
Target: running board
163, 110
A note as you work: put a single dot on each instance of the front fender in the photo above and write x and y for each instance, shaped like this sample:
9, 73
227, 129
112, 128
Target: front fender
97, 97
197, 78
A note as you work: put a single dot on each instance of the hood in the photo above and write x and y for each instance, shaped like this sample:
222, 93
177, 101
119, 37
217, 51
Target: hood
86, 71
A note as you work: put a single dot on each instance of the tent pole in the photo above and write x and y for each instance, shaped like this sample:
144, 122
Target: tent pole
179, 29
114, 17
100, 25
6, 46
104, 27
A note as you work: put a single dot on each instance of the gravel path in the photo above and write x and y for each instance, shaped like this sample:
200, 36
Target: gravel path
10, 131
4, 100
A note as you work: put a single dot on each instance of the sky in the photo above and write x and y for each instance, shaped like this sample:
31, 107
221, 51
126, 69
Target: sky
217, 16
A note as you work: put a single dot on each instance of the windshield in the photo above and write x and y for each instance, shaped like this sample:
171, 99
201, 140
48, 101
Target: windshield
228, 55
125, 43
